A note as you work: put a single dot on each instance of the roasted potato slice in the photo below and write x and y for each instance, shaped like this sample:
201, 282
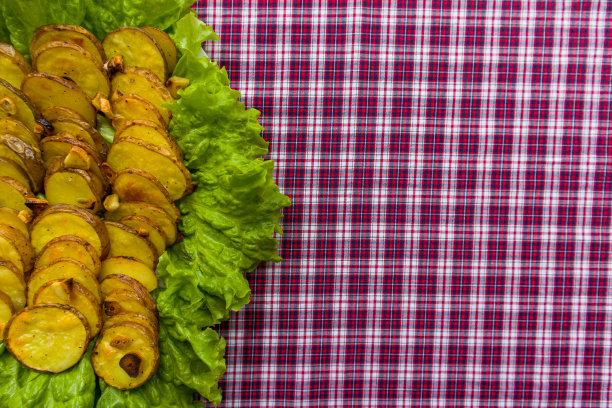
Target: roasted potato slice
17, 104
62, 219
129, 107
70, 34
147, 228
138, 49
7, 310
142, 82
125, 356
150, 133
82, 131
47, 337
131, 267
138, 185
166, 44
15, 247
71, 61
13, 194
150, 211
27, 156
69, 246
63, 268
62, 143
126, 241
11, 169
46, 91
152, 327
13, 284
13, 66
126, 301
118, 281
14, 127
11, 217
129, 152
78, 187
55, 113
72, 293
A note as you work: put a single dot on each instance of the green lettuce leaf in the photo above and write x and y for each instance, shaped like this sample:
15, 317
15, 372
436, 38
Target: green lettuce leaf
190, 32
155, 393
24, 388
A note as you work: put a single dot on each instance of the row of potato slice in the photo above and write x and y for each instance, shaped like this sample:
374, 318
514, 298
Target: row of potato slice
80, 261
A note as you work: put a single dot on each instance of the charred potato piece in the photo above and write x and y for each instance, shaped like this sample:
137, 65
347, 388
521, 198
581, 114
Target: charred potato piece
68, 34
13, 66
69, 60
47, 338
138, 185
131, 106
69, 246
78, 187
13, 284
149, 133
125, 241
138, 49
27, 156
14, 127
63, 268
11, 217
166, 44
72, 293
16, 248
13, 194
129, 152
7, 310
126, 301
130, 267
150, 211
147, 228
62, 219
17, 104
82, 131
125, 356
142, 82
152, 327
11, 169
47, 91
118, 281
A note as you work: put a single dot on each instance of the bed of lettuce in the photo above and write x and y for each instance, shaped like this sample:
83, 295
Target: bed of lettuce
228, 223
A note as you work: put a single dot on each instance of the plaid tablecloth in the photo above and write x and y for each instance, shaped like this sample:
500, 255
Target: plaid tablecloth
449, 164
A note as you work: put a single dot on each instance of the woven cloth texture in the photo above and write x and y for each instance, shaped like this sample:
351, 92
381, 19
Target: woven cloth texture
449, 167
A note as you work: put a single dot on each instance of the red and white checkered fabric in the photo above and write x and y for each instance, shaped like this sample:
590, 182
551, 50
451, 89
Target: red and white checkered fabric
449, 164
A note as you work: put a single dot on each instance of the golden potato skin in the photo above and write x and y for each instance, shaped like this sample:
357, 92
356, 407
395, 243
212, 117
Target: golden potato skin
147, 228
14, 127
13, 284
48, 338
13, 66
25, 110
27, 156
130, 267
15, 247
150, 133
124, 282
70, 34
160, 217
132, 106
6, 311
11, 217
13, 194
11, 169
83, 131
166, 44
126, 241
69, 246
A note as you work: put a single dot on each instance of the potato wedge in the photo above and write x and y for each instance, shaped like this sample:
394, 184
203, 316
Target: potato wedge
152, 327
138, 185
147, 228
7, 310
150, 211
14, 127
69, 34
11, 169
131, 106
131, 267
63, 268
15, 247
150, 133
17, 104
13, 284
47, 338
27, 156
71, 61
118, 281
166, 44
11, 217
69, 246
13, 66
125, 241
82, 131
47, 91
138, 48
126, 301
71, 293
62, 143
13, 194
142, 82
62, 219
129, 152
81, 188
125, 356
